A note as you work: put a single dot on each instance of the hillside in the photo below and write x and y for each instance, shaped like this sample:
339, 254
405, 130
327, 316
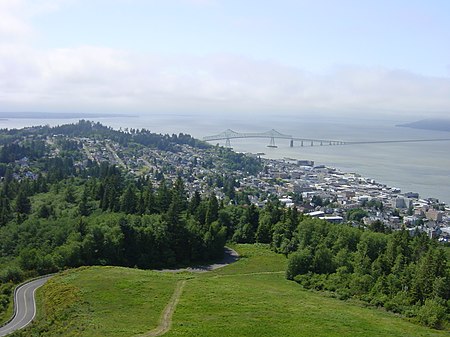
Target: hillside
429, 124
249, 298
86, 195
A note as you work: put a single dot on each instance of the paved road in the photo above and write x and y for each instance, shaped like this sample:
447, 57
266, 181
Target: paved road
229, 256
25, 306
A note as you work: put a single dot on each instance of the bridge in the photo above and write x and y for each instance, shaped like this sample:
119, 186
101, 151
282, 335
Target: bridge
273, 134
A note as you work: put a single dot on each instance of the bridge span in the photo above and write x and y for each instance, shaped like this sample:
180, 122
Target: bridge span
273, 134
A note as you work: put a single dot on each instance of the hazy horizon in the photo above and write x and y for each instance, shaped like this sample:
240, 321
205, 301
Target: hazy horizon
269, 119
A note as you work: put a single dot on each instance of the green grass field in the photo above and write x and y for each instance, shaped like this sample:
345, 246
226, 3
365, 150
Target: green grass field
248, 298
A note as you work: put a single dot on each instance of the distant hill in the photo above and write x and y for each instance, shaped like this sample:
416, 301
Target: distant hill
57, 115
429, 124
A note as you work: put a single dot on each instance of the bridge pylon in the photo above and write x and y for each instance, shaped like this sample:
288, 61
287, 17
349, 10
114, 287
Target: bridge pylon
272, 142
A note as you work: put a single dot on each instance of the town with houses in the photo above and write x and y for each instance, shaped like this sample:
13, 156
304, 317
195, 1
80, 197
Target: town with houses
316, 190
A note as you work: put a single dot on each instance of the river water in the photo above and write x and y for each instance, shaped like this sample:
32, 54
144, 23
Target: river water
417, 167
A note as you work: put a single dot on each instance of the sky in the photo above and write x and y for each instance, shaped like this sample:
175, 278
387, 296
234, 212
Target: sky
328, 57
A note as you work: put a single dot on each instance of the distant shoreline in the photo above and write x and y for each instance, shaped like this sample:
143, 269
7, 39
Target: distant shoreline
429, 124
4, 116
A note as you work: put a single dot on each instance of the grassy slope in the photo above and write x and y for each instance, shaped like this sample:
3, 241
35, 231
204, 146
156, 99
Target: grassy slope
235, 302
248, 298
102, 301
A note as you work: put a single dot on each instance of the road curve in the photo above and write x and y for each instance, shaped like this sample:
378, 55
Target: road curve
229, 256
24, 306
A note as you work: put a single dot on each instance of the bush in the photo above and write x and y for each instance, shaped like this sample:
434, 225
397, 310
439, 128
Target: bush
318, 281
12, 274
360, 284
4, 302
344, 294
304, 280
432, 313
399, 303
378, 300
299, 263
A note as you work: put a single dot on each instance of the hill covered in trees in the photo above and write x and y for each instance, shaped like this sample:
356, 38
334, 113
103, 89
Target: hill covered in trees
429, 124
63, 204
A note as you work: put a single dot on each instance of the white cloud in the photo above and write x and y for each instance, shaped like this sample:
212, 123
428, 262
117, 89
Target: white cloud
90, 78
12, 25
102, 78
15, 17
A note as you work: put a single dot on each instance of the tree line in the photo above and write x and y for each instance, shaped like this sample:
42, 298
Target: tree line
402, 273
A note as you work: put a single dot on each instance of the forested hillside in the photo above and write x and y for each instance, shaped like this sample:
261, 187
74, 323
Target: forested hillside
60, 210
64, 204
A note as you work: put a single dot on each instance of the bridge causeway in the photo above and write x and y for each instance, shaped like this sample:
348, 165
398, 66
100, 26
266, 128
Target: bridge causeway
273, 134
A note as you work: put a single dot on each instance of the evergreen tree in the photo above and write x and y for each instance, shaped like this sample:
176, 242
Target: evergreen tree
45, 211
83, 207
179, 194
163, 196
212, 211
69, 195
195, 201
150, 205
141, 203
5, 209
264, 231
22, 204
129, 202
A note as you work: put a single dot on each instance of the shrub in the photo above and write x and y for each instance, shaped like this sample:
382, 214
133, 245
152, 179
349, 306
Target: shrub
432, 313
299, 263
11, 274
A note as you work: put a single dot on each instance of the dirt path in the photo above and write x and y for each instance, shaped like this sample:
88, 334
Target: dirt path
166, 318
165, 322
